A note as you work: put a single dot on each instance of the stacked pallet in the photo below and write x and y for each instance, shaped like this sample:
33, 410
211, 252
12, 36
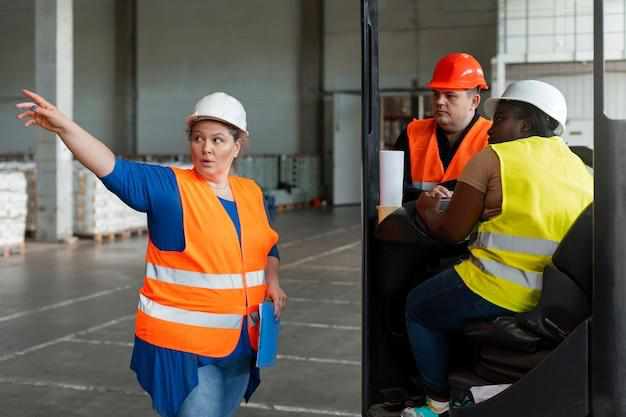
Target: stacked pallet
263, 169
13, 207
300, 176
290, 180
29, 168
30, 172
99, 213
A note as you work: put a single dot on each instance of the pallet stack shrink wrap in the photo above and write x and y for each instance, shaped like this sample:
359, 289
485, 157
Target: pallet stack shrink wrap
97, 211
30, 172
29, 168
263, 169
302, 175
13, 208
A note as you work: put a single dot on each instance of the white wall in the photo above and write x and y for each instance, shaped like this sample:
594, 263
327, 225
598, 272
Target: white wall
250, 52
413, 36
94, 68
342, 44
17, 40
455, 26
558, 30
183, 53
187, 50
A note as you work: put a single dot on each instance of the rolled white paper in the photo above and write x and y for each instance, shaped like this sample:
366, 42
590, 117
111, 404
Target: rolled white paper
391, 176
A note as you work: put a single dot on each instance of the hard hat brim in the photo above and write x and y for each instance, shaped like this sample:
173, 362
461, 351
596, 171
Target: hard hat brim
435, 85
189, 120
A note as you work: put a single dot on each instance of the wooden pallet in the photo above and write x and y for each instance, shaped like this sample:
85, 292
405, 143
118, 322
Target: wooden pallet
140, 231
109, 237
281, 208
7, 250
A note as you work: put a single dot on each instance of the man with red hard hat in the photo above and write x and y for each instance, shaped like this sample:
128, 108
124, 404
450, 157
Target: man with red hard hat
437, 149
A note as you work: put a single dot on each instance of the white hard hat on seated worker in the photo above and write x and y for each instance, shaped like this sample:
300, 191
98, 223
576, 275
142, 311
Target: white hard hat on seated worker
221, 107
544, 96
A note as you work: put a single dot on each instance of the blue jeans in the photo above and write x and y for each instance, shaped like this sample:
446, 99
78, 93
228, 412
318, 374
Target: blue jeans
220, 389
435, 308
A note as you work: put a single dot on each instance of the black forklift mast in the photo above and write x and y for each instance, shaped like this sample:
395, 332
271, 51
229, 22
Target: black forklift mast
607, 338
608, 328
370, 193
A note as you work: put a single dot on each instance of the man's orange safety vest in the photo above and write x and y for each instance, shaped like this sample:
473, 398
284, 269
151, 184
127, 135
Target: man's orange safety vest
195, 300
426, 166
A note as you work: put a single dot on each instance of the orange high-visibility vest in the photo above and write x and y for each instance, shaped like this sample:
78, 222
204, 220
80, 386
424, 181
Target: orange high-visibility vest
426, 166
195, 300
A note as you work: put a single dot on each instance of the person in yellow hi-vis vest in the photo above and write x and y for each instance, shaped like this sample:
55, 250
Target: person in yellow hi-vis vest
518, 197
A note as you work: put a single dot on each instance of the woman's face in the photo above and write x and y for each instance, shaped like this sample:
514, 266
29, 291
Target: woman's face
507, 126
213, 149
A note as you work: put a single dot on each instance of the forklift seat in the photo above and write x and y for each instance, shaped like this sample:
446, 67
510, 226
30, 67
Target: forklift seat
509, 347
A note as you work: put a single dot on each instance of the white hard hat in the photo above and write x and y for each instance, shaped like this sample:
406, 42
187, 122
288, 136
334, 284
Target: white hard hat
221, 107
544, 96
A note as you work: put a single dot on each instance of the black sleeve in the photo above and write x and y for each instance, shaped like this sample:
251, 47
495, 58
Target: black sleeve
409, 193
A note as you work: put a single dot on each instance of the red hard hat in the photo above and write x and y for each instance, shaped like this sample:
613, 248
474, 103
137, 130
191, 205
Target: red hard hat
458, 70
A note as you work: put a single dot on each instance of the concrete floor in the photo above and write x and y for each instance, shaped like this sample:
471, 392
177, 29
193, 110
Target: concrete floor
66, 320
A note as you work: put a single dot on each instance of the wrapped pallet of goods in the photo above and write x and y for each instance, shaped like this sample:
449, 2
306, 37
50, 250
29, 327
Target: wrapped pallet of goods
263, 169
136, 221
307, 176
13, 207
29, 168
30, 172
300, 177
99, 213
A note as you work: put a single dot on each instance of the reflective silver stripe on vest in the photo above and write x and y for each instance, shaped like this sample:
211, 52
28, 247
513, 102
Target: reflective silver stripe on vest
529, 245
192, 318
528, 279
194, 279
255, 278
426, 186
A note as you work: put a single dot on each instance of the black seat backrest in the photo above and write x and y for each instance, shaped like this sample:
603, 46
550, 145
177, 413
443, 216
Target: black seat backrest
566, 293
574, 254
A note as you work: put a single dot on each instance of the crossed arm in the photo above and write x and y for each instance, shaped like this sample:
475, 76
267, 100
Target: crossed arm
456, 223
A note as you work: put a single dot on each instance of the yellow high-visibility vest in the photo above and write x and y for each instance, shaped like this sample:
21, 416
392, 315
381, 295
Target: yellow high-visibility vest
544, 189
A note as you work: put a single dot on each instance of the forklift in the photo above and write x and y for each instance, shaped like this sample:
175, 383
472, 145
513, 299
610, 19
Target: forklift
567, 357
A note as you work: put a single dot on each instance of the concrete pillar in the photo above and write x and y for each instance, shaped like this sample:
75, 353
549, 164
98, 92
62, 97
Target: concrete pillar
54, 62
310, 64
125, 140
498, 68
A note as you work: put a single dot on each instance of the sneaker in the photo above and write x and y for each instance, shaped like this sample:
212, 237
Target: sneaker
423, 411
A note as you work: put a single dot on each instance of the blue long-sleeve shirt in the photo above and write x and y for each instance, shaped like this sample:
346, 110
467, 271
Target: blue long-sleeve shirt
169, 375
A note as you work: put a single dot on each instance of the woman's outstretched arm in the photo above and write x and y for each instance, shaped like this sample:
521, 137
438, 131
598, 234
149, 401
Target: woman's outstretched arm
92, 153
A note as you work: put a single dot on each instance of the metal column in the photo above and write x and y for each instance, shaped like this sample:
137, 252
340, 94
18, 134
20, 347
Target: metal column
370, 147
608, 332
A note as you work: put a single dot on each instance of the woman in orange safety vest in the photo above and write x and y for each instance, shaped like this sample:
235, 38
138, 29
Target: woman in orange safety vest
211, 258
